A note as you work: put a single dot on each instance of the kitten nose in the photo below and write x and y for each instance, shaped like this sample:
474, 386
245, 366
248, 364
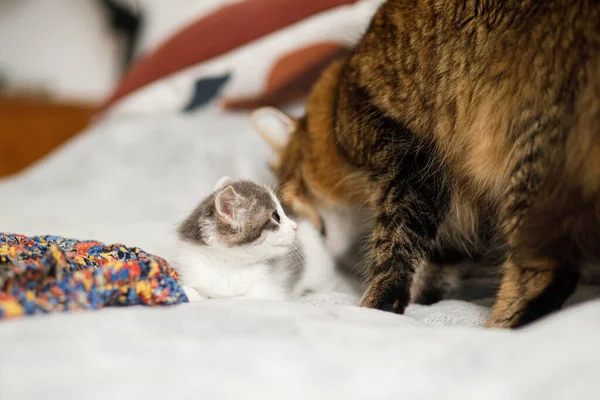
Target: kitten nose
294, 226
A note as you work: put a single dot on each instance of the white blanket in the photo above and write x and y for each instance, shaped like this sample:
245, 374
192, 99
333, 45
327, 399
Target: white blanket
131, 180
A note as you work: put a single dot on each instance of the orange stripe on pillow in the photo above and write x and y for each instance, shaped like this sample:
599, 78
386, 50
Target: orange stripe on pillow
291, 76
219, 32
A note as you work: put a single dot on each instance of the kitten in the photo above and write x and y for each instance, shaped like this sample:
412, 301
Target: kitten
448, 116
239, 242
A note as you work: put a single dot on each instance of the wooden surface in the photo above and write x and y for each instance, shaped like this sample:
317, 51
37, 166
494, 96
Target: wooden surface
30, 129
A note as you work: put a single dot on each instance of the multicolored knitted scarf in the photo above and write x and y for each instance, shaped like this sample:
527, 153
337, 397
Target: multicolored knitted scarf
46, 274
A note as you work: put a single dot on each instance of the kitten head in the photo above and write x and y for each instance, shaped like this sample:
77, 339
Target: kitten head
241, 214
313, 179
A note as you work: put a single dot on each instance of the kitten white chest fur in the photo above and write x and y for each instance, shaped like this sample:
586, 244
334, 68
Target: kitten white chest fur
319, 273
210, 273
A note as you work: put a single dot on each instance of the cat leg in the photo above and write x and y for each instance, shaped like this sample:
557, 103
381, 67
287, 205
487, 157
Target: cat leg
542, 265
541, 270
408, 216
532, 288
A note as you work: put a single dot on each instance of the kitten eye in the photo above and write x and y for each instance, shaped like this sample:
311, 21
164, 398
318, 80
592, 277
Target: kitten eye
323, 231
276, 216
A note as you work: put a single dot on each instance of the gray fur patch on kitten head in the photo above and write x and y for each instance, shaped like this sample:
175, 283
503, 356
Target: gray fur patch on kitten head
237, 212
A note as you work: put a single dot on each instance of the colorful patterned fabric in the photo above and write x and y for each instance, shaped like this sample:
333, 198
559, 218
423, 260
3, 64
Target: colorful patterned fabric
45, 274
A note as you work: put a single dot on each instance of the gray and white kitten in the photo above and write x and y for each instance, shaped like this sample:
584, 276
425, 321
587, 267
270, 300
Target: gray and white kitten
238, 242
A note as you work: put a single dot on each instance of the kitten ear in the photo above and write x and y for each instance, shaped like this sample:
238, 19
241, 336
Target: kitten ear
224, 181
227, 202
274, 126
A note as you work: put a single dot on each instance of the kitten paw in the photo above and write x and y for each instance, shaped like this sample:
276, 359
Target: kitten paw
386, 293
192, 295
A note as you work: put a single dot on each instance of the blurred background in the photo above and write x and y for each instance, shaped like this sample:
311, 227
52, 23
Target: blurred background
65, 61
59, 59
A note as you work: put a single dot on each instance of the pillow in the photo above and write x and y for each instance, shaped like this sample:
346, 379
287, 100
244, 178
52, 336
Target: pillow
162, 19
62, 48
271, 61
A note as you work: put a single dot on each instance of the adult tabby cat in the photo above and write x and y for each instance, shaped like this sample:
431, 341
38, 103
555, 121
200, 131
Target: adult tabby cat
449, 113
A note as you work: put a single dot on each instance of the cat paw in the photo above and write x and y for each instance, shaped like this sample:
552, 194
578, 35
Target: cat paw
498, 321
503, 317
386, 293
192, 295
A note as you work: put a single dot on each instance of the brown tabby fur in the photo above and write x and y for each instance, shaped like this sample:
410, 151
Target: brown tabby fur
452, 112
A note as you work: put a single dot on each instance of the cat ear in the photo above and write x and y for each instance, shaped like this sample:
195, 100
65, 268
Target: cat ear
274, 126
224, 181
227, 202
